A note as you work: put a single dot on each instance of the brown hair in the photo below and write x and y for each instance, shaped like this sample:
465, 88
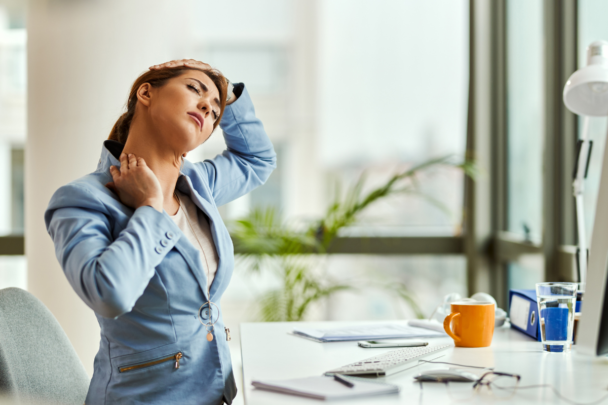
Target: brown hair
158, 78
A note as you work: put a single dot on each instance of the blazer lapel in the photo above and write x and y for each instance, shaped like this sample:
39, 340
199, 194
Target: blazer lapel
220, 273
184, 184
191, 255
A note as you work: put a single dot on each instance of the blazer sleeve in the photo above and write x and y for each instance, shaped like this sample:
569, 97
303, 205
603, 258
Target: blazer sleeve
249, 158
109, 275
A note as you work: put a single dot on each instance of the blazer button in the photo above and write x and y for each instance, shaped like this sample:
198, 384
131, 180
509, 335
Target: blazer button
169, 235
164, 242
158, 250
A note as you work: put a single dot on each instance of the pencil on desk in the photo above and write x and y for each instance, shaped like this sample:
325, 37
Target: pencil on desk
343, 381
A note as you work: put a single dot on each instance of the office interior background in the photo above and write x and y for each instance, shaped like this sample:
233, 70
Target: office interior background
344, 87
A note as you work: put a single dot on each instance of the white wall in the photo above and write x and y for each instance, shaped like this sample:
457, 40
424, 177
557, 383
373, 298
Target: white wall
83, 57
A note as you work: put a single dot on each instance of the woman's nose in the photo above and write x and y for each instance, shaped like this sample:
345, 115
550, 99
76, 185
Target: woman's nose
205, 108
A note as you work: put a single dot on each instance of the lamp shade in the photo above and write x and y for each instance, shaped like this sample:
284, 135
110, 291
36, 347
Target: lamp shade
586, 91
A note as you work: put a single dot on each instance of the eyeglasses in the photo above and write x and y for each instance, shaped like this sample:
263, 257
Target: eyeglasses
500, 386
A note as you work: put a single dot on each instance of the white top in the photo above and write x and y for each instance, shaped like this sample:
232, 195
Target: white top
200, 225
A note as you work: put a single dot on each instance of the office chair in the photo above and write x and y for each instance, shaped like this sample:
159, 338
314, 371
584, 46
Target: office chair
37, 362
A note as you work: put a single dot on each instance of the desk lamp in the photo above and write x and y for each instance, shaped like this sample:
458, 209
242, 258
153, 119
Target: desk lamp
586, 94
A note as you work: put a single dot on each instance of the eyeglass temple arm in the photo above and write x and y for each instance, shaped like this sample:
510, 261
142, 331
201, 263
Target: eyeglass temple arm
495, 373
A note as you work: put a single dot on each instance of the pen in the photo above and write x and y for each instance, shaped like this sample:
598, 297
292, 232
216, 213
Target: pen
343, 381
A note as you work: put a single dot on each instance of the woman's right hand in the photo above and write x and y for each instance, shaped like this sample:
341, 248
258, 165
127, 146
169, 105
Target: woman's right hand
135, 183
182, 62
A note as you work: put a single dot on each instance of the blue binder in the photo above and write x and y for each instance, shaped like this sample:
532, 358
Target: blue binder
523, 312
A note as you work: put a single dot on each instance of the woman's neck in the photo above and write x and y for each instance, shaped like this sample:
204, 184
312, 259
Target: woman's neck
165, 163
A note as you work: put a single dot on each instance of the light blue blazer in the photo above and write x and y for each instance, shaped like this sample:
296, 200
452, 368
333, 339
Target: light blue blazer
144, 279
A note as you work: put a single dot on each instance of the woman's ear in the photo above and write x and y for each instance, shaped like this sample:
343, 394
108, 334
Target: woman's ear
143, 94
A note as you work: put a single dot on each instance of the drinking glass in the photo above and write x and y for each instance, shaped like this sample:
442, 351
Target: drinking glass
556, 305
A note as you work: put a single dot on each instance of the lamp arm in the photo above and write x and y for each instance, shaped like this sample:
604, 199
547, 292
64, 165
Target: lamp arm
578, 185
582, 239
582, 159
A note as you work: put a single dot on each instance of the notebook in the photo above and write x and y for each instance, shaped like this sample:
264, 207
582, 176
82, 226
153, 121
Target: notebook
326, 388
366, 332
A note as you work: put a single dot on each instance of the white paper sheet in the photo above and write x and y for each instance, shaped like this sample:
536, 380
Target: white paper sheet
367, 332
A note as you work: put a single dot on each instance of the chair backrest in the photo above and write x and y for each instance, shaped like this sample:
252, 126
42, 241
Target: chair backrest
37, 360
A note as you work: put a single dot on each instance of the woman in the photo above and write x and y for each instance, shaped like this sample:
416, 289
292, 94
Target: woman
142, 243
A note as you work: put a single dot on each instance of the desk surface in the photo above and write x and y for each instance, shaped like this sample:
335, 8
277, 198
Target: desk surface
270, 353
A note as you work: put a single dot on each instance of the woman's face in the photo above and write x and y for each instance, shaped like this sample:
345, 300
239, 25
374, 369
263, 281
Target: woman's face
184, 110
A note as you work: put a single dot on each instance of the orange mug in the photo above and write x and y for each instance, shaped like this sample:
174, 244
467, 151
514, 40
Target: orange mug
473, 323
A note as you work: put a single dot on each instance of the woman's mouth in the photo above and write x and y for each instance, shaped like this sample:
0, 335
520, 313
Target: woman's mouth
198, 118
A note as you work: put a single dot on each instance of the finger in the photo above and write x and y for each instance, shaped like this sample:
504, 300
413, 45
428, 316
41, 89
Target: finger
114, 172
178, 63
132, 161
141, 162
196, 63
161, 66
124, 165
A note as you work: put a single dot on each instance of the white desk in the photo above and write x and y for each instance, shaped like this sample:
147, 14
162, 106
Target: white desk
270, 353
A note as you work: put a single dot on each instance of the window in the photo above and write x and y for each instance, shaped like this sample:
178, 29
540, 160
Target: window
263, 68
393, 93
343, 94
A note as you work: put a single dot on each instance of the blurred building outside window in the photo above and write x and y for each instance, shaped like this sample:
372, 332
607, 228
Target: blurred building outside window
13, 74
12, 125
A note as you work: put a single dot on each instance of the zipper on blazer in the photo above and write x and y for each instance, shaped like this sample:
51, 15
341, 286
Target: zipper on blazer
177, 357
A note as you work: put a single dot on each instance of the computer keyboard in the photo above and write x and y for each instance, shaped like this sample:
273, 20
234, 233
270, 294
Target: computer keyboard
389, 363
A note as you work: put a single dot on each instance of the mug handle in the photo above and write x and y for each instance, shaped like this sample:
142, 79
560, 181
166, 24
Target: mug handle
446, 326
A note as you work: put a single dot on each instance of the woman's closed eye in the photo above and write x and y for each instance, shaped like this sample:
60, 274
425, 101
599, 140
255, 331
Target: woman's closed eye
195, 89
191, 87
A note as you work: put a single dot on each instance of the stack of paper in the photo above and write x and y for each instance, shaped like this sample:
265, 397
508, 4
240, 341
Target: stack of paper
326, 388
367, 332
427, 324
